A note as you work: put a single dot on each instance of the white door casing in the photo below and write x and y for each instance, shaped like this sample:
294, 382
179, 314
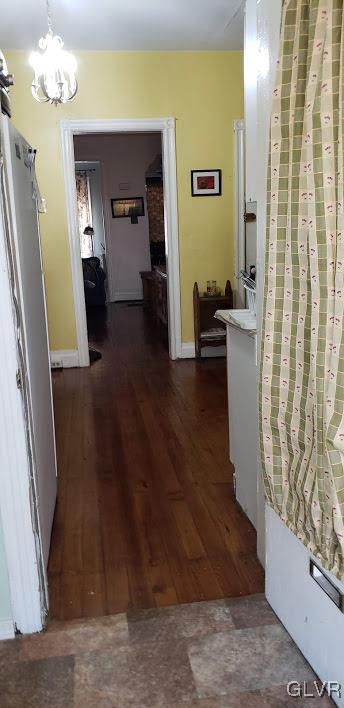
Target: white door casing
239, 169
166, 126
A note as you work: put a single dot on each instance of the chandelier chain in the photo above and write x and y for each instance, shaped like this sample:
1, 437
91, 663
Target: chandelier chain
50, 24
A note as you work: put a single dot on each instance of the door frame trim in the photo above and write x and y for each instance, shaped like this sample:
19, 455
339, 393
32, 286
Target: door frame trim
165, 126
240, 202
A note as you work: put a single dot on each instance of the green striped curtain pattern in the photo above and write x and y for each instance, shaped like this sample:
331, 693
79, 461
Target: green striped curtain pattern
302, 362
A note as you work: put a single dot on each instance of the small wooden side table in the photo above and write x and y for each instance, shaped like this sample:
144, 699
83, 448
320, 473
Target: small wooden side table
209, 332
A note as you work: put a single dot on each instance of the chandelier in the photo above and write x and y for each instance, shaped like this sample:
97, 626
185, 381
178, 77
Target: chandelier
54, 68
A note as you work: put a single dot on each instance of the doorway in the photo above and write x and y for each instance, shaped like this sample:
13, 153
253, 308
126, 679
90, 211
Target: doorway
120, 206
166, 127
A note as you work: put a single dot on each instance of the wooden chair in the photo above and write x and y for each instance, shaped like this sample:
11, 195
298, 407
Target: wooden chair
208, 331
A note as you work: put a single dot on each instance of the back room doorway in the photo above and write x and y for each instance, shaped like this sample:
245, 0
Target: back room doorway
165, 128
121, 224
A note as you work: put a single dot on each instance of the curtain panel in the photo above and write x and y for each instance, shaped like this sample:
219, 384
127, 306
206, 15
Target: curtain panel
302, 362
84, 213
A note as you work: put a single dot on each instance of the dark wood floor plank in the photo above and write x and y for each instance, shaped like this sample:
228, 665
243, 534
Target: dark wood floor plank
117, 588
191, 541
146, 513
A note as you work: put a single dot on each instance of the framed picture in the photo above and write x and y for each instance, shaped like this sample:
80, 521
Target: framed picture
127, 207
205, 183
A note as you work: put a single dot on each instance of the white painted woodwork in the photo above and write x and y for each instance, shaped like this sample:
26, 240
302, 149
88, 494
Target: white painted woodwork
242, 404
242, 411
28, 264
23, 554
310, 616
242, 407
239, 181
165, 126
64, 358
250, 98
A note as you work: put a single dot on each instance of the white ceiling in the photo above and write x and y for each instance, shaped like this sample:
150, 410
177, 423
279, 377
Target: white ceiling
126, 24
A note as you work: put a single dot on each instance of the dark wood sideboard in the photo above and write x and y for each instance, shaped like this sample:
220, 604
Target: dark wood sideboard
154, 283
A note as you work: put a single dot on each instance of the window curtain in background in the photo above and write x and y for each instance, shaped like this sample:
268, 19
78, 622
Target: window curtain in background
302, 369
84, 213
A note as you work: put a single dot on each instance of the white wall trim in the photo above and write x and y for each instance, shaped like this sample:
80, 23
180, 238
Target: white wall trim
188, 350
166, 126
171, 236
239, 182
65, 358
6, 629
74, 244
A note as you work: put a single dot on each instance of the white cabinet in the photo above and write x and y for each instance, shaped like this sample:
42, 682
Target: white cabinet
242, 405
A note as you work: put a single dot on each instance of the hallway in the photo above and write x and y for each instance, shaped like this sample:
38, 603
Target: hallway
146, 515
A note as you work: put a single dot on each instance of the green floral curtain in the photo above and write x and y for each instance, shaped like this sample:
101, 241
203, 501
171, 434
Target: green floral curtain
302, 373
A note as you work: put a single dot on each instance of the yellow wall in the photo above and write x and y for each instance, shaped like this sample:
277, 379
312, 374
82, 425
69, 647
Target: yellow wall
204, 92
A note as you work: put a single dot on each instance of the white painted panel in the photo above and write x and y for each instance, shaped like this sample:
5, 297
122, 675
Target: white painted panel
310, 616
5, 596
242, 407
26, 245
22, 603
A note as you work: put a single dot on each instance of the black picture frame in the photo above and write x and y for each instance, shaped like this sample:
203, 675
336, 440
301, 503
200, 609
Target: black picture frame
205, 191
135, 207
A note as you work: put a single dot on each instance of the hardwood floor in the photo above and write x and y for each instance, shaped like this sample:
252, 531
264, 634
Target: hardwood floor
146, 515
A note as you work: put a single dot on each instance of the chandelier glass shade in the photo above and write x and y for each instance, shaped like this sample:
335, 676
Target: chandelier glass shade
54, 68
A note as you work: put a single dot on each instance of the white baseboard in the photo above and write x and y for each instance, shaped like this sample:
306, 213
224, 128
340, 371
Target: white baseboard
188, 351
6, 629
64, 358
131, 295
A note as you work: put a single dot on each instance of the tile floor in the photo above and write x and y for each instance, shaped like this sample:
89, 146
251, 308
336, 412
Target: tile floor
220, 654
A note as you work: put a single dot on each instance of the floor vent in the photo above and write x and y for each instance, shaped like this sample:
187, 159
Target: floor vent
326, 585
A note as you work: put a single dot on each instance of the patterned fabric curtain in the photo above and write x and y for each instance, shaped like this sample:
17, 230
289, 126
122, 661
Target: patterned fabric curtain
84, 213
302, 376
